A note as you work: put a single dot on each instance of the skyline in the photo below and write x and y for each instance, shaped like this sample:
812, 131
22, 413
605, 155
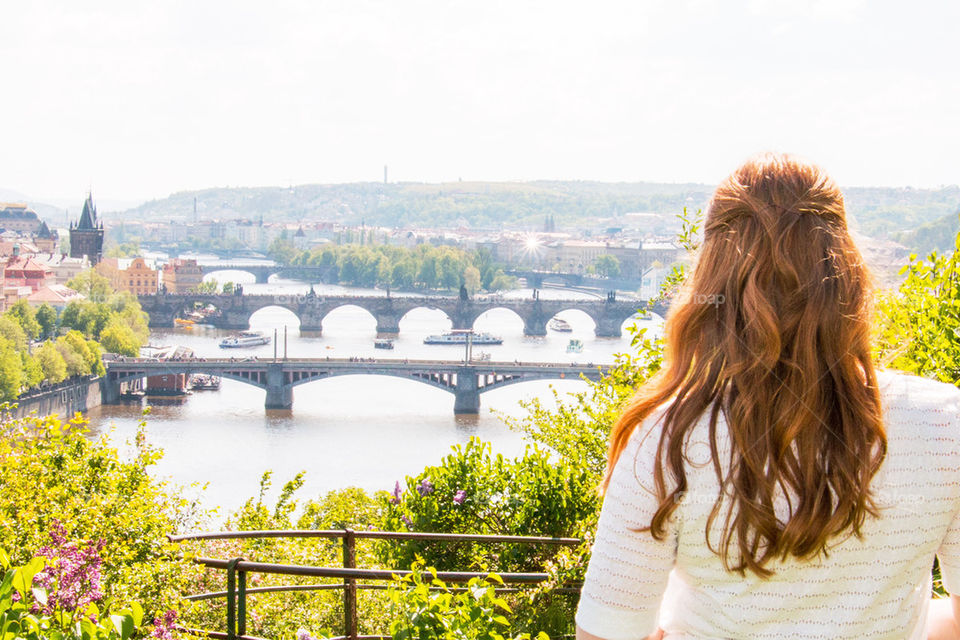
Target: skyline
138, 101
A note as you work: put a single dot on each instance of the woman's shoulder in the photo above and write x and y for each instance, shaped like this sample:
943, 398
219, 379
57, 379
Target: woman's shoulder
905, 391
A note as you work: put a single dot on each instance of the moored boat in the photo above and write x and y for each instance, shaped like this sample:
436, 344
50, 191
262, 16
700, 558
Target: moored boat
383, 343
245, 339
561, 325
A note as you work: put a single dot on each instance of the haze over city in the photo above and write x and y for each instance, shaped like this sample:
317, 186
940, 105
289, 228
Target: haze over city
138, 100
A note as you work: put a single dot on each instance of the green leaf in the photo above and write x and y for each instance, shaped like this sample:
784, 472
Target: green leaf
4, 560
136, 612
123, 624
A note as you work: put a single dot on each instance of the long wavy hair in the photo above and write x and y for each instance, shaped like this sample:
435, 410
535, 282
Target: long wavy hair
773, 330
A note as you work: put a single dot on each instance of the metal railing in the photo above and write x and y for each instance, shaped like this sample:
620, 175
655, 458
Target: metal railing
238, 568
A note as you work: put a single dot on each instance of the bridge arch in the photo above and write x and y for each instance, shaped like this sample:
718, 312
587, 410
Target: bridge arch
236, 275
501, 314
348, 317
580, 321
275, 316
424, 319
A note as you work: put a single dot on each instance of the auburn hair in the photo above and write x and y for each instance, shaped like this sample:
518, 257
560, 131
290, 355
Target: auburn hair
772, 329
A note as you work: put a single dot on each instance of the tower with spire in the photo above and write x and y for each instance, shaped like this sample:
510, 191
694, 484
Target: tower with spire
86, 236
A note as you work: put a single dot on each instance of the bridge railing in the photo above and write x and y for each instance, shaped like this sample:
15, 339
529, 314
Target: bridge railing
352, 578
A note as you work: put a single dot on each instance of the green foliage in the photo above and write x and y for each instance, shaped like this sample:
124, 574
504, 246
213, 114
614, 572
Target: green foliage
474, 491
208, 286
424, 266
10, 371
51, 361
919, 325
425, 608
47, 318
124, 250
13, 332
27, 612
607, 265
53, 474
26, 317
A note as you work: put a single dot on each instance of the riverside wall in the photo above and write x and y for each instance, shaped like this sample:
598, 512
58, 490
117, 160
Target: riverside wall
64, 399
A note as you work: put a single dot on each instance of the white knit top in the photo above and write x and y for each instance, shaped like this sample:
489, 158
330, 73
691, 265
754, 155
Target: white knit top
874, 587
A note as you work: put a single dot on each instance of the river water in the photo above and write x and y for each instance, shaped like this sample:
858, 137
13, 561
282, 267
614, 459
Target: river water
367, 431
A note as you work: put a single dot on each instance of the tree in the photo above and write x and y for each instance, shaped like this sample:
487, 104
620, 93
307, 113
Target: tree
471, 279
11, 371
32, 371
53, 365
607, 265
95, 287
208, 286
24, 314
227, 288
47, 318
13, 332
119, 338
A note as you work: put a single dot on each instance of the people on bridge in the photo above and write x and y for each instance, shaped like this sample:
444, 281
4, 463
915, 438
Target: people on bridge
769, 481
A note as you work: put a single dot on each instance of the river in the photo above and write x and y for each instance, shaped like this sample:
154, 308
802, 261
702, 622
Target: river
367, 431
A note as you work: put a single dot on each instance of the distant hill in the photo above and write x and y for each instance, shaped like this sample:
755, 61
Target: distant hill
875, 211
939, 235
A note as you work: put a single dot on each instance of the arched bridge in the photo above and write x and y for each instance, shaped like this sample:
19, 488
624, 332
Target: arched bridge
262, 271
279, 377
234, 311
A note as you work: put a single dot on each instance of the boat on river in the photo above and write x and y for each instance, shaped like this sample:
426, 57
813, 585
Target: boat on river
461, 338
575, 346
245, 339
383, 343
561, 325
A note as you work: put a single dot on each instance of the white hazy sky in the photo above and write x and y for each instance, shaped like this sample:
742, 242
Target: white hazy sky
142, 99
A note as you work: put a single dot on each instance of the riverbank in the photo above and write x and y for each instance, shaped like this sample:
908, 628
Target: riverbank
80, 393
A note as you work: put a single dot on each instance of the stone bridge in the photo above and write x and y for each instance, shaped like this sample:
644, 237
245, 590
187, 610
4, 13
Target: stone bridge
262, 272
234, 311
278, 377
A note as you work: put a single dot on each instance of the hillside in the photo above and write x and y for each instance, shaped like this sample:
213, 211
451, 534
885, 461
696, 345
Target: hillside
875, 211
939, 235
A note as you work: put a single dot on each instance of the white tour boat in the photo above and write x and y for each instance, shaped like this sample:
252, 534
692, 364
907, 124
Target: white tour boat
461, 338
245, 339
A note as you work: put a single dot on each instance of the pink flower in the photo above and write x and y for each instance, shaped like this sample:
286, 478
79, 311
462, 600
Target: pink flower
459, 496
425, 487
395, 496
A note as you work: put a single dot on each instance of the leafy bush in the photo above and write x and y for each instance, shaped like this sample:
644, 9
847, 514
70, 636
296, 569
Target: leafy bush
474, 491
429, 610
59, 483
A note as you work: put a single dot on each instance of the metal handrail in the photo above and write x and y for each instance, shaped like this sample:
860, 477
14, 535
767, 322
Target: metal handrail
238, 568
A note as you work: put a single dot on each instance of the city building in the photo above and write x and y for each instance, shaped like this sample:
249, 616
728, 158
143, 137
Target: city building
46, 240
63, 266
86, 236
130, 274
182, 275
24, 271
18, 217
57, 296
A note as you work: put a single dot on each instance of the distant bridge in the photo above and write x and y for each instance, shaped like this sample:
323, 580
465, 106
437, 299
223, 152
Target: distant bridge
234, 311
262, 272
278, 377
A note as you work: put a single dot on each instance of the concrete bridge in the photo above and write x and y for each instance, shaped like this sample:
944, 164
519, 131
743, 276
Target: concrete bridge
234, 311
278, 377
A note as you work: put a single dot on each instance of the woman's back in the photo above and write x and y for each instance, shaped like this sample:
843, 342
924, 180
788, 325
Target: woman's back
875, 586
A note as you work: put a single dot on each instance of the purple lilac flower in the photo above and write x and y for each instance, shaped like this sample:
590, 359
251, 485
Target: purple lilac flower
72, 575
425, 487
303, 634
407, 520
459, 496
395, 496
163, 627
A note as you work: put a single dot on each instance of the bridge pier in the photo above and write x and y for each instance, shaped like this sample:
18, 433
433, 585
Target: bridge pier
467, 392
109, 391
388, 323
535, 325
608, 326
279, 395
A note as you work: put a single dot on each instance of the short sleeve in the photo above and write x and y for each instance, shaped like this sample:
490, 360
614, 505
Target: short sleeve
628, 570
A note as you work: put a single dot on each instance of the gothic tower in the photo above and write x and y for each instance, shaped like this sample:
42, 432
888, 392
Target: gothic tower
86, 236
